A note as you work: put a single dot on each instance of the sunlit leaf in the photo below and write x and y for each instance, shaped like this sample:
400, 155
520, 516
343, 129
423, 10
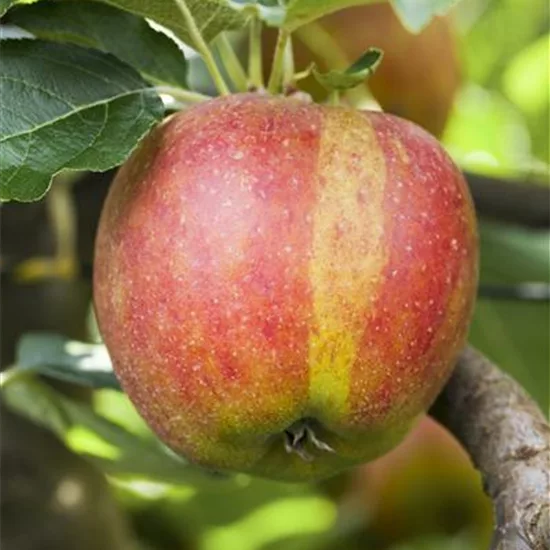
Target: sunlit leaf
108, 445
487, 134
300, 12
8, 32
116, 407
277, 520
416, 14
527, 77
291, 14
37, 402
84, 440
5, 5
59, 357
487, 50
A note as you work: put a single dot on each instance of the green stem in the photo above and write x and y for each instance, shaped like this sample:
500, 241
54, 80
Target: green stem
277, 67
202, 47
323, 45
255, 69
185, 96
63, 217
302, 74
231, 63
334, 97
288, 63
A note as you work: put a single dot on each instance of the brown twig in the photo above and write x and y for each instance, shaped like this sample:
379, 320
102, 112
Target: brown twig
525, 203
508, 439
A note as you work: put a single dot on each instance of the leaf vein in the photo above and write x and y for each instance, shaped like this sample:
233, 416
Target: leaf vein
76, 111
25, 157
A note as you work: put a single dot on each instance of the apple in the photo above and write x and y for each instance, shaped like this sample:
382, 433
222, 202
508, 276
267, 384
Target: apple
284, 287
419, 75
426, 485
424, 488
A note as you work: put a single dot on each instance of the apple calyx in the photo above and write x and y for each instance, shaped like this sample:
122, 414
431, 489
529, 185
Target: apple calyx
299, 435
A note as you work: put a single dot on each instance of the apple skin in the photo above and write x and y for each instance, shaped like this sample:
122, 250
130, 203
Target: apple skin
263, 263
419, 74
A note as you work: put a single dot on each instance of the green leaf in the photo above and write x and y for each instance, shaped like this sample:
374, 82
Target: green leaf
503, 146
514, 334
5, 5
37, 402
526, 78
59, 357
108, 445
416, 14
300, 12
354, 75
64, 106
115, 406
525, 82
11, 31
211, 16
108, 29
271, 12
274, 524
291, 14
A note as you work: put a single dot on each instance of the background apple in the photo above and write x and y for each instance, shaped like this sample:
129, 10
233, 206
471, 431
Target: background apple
418, 77
426, 485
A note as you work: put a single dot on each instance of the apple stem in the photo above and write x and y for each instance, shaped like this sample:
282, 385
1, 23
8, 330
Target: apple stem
231, 63
334, 97
202, 47
277, 67
255, 70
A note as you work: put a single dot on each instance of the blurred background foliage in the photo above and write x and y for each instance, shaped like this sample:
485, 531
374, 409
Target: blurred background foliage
424, 495
500, 126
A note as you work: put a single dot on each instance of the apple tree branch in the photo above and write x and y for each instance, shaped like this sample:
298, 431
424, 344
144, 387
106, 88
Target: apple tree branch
508, 439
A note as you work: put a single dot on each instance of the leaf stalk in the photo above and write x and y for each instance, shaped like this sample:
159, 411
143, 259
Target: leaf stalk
277, 68
255, 68
185, 96
202, 47
231, 63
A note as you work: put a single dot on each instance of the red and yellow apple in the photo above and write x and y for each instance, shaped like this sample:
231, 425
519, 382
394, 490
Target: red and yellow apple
418, 77
284, 287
